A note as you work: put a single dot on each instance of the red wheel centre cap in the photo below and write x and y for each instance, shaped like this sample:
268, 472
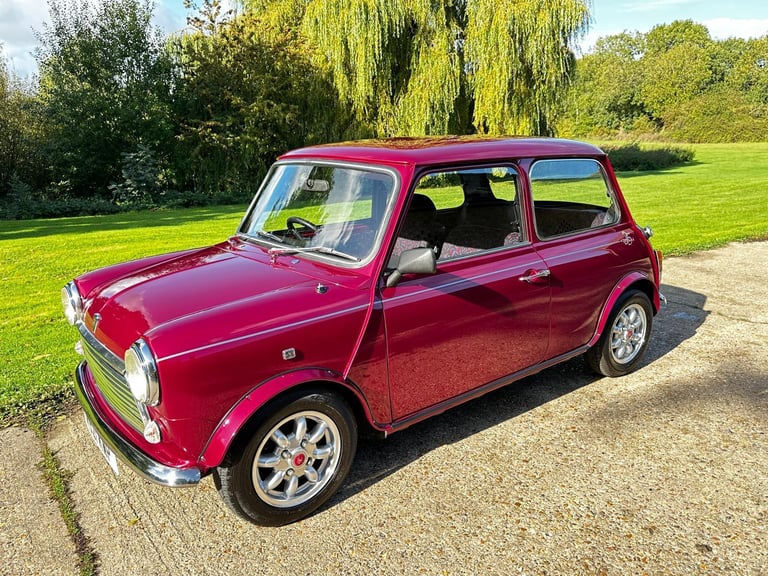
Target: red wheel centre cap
299, 459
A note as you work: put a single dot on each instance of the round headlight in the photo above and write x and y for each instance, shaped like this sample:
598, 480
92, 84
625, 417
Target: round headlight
72, 303
141, 373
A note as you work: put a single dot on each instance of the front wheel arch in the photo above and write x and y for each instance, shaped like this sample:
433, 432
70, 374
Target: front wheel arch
234, 423
247, 428
240, 482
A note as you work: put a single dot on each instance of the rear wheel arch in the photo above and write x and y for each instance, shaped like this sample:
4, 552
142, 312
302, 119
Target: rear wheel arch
636, 282
625, 337
647, 287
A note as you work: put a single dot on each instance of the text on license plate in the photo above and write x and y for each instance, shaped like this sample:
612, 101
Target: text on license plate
109, 456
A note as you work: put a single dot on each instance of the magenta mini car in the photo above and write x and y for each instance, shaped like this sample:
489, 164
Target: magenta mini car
370, 285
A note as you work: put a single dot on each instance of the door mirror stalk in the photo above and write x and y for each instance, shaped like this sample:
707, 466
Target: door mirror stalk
413, 261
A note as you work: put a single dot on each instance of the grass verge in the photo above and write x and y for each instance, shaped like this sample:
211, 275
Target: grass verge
57, 480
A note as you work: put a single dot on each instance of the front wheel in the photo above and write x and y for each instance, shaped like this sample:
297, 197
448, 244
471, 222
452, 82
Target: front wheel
625, 338
297, 457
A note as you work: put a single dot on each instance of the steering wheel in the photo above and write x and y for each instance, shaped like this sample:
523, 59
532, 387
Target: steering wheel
293, 220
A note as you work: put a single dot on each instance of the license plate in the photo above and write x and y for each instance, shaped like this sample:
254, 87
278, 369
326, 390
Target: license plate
109, 456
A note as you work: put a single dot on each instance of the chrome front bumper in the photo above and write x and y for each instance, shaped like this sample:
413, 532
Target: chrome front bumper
127, 452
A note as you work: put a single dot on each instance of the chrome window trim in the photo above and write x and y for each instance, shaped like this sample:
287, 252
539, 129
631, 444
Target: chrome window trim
457, 168
608, 188
483, 252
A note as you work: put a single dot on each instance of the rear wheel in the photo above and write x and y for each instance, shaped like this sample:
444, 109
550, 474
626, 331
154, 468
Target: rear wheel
625, 338
296, 458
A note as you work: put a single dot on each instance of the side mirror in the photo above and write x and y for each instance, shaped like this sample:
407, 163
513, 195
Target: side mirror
413, 261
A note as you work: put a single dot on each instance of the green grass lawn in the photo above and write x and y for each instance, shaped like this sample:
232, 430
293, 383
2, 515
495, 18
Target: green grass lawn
38, 257
722, 196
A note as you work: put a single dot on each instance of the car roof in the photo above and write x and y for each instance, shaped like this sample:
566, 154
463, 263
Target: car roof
444, 149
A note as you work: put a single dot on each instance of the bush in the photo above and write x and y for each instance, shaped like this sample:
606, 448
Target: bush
142, 180
23, 203
631, 157
192, 198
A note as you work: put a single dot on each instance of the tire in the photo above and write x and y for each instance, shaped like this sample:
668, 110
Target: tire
296, 458
625, 338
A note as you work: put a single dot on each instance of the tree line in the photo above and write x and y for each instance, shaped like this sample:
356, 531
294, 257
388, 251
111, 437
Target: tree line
674, 83
123, 116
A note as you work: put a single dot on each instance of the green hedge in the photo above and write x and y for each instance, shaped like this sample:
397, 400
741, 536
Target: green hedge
633, 158
23, 203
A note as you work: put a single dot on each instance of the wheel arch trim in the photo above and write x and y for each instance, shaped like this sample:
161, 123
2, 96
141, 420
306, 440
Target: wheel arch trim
633, 280
232, 424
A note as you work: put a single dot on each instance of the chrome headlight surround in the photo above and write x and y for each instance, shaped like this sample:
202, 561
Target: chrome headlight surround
141, 373
72, 303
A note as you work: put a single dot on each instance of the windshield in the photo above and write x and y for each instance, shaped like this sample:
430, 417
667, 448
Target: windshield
335, 211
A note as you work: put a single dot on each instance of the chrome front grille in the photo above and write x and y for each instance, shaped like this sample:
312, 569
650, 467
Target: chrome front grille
107, 371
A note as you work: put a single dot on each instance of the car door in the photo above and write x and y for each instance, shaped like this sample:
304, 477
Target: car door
585, 241
482, 316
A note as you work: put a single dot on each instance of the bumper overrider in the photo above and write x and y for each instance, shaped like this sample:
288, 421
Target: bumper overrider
124, 450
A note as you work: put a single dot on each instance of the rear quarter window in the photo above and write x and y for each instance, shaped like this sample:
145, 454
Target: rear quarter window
571, 196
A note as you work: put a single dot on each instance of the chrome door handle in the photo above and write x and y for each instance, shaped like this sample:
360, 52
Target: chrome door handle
533, 275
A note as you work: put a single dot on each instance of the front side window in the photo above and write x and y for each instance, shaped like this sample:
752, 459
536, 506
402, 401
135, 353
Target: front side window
335, 211
570, 196
460, 212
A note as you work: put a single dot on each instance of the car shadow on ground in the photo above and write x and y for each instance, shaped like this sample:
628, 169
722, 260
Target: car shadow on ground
376, 459
677, 321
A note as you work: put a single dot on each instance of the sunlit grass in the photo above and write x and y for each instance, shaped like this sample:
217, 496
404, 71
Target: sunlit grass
721, 197
40, 256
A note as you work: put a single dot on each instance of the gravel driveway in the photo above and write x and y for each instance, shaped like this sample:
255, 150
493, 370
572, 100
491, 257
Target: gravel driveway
664, 471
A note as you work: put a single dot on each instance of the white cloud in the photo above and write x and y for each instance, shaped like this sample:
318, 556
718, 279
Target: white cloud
721, 28
18, 19
586, 44
170, 15
655, 5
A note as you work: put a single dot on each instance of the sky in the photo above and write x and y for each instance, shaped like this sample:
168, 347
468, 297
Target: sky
723, 19
735, 18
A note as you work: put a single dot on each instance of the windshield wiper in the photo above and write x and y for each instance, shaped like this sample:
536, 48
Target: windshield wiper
268, 236
275, 252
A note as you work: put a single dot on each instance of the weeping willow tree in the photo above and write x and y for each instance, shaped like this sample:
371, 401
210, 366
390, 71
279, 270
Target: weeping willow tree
437, 66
